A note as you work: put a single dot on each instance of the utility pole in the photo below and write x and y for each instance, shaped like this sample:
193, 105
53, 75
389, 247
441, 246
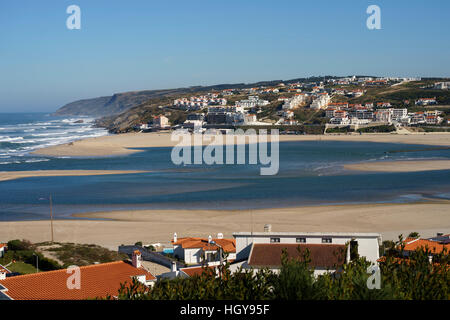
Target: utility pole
51, 216
251, 222
37, 262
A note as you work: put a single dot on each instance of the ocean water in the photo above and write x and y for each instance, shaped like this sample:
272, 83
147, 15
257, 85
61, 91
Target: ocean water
311, 173
22, 133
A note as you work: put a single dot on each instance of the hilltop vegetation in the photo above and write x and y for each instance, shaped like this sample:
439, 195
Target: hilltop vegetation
22, 256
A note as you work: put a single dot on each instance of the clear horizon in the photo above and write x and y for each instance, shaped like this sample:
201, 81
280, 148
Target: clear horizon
151, 45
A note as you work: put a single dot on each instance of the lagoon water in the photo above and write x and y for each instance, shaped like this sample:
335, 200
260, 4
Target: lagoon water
310, 173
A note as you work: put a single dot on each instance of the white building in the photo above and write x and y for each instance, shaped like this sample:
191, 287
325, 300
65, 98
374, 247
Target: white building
252, 102
384, 116
224, 109
321, 101
366, 244
399, 114
3, 248
160, 122
442, 85
294, 102
197, 250
426, 101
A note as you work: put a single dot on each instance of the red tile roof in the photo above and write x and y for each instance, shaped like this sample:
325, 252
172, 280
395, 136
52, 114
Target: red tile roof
3, 245
196, 271
321, 255
99, 280
228, 245
433, 246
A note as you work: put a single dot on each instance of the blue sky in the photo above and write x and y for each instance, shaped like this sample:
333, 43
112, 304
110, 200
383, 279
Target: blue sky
145, 44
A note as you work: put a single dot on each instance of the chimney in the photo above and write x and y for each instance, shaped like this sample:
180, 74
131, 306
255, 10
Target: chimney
174, 266
220, 235
137, 259
209, 239
267, 228
2, 275
175, 237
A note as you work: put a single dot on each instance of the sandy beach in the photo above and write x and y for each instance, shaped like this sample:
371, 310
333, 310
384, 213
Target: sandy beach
152, 226
11, 175
123, 144
400, 166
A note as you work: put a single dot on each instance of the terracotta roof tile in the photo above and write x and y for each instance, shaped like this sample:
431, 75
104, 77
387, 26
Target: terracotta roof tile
228, 245
321, 255
97, 280
433, 246
196, 271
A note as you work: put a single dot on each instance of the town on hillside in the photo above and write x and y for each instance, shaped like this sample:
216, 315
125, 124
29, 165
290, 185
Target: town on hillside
332, 105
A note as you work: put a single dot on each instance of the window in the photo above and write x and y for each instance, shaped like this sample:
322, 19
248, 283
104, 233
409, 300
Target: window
326, 240
274, 240
300, 240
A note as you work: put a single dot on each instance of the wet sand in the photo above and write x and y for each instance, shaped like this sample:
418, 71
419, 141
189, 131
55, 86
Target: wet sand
400, 166
11, 175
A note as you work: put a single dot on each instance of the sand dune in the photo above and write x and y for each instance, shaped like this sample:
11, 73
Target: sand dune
152, 226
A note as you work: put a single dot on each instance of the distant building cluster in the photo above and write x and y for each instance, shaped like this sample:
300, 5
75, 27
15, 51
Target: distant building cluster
198, 103
350, 114
442, 85
294, 102
252, 102
426, 101
321, 101
212, 109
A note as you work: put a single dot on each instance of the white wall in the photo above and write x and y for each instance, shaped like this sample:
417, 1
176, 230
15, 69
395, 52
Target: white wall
368, 244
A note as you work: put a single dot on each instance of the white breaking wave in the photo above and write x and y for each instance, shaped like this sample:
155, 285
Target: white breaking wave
9, 139
24, 138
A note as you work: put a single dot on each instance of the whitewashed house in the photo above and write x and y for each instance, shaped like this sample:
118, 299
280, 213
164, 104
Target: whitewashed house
366, 244
197, 250
3, 248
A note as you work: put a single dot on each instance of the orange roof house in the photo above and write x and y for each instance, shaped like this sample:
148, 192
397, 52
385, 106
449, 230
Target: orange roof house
228, 245
96, 281
434, 246
193, 250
